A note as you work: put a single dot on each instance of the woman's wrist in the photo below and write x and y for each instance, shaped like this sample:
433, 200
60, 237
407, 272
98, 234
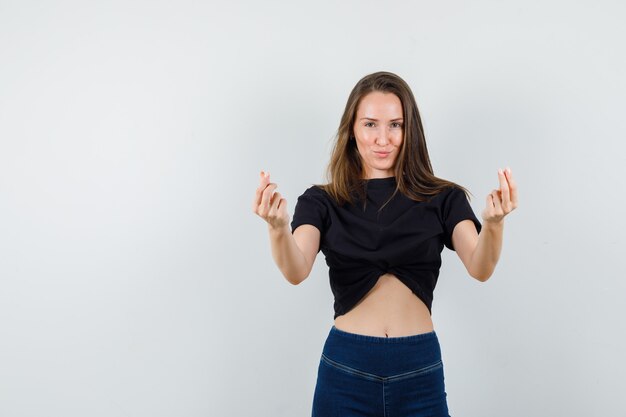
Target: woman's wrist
279, 230
493, 225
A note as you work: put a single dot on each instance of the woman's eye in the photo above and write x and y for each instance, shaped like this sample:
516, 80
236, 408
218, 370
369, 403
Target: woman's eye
394, 124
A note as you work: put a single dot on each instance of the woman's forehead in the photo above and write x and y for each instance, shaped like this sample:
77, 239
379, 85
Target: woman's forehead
379, 105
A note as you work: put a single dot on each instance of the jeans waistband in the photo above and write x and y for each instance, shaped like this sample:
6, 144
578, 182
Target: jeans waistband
417, 338
382, 355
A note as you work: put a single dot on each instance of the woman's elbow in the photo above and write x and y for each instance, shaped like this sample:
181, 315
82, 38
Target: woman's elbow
481, 276
295, 280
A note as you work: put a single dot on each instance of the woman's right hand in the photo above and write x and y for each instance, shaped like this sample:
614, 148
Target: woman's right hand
269, 205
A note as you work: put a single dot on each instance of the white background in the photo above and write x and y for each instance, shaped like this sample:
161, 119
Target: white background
135, 280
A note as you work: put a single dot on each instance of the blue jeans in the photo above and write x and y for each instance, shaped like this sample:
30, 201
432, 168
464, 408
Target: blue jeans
362, 375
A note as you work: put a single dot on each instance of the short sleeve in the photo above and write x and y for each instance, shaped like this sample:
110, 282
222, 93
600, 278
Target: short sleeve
310, 209
456, 208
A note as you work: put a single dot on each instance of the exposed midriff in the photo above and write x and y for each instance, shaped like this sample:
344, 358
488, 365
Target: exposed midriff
389, 309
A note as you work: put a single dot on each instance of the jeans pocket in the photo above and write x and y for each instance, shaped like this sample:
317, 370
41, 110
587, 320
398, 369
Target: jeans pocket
349, 370
422, 371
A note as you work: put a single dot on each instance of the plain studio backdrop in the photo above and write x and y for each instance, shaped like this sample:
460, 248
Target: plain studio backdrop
135, 280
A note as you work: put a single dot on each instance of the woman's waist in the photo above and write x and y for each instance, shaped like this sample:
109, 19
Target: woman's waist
389, 309
382, 356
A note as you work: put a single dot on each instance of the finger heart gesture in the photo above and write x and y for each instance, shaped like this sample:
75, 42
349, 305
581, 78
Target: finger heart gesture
501, 202
270, 204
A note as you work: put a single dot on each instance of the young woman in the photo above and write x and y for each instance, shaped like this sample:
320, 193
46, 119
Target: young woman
382, 221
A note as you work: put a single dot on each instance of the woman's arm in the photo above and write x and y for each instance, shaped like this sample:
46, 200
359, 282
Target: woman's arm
295, 253
480, 252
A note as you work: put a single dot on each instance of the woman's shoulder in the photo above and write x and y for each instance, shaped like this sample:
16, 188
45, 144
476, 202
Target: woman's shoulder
323, 194
449, 190
443, 195
450, 197
316, 192
436, 192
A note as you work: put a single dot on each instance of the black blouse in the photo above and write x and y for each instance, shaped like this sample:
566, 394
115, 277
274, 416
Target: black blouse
405, 238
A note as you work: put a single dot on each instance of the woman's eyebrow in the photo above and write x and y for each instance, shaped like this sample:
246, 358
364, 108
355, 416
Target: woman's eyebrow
371, 118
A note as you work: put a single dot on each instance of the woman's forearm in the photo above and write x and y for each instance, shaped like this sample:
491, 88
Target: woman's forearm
487, 252
287, 255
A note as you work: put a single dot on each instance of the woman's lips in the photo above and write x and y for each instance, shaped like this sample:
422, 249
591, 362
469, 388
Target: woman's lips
382, 154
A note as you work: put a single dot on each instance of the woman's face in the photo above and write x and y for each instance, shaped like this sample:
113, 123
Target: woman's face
379, 131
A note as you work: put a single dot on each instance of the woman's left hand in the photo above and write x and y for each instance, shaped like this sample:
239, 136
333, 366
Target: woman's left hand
501, 202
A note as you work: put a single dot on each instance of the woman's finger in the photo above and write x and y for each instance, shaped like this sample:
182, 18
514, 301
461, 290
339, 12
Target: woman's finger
512, 187
275, 200
497, 203
490, 204
504, 190
263, 181
267, 195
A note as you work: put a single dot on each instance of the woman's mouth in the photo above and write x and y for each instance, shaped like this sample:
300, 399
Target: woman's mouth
381, 154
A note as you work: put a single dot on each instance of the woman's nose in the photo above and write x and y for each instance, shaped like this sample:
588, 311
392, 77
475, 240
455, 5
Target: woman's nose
382, 137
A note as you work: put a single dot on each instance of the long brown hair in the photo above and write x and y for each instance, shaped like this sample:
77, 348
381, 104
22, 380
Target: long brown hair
412, 169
